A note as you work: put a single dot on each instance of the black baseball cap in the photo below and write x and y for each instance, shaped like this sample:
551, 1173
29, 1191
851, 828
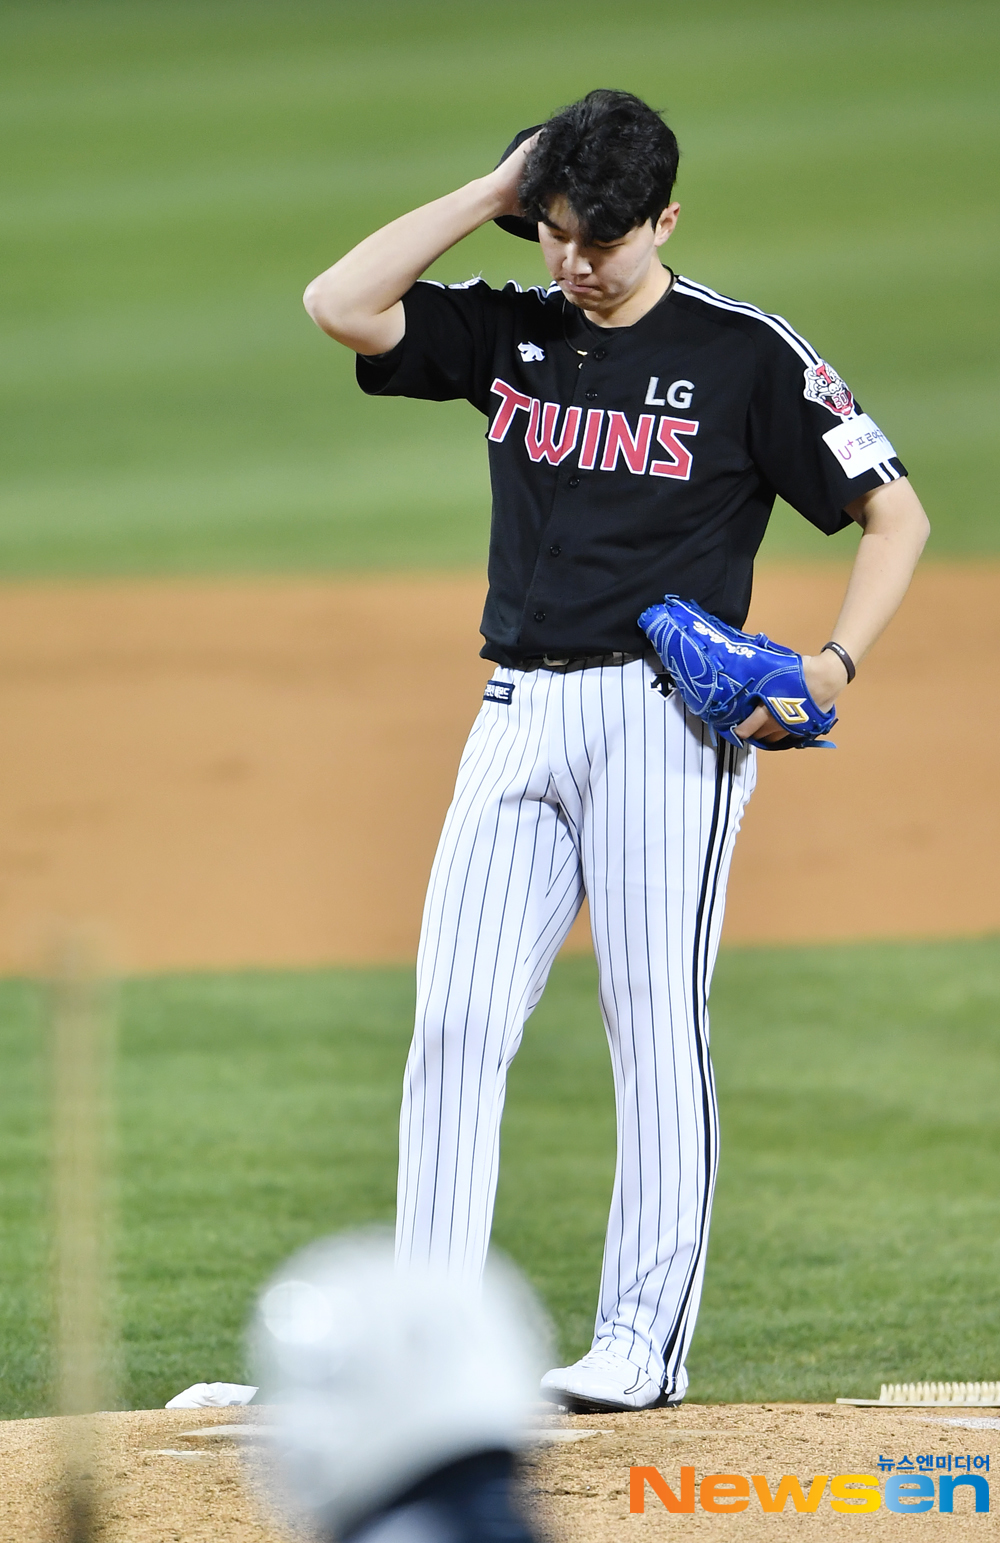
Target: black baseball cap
513, 224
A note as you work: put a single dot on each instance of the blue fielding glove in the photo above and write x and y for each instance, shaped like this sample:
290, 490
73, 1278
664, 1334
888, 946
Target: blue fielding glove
723, 674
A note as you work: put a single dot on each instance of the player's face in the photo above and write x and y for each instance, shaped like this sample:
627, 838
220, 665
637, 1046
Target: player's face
601, 276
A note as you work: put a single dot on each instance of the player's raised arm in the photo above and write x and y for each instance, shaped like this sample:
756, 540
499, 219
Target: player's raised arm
357, 301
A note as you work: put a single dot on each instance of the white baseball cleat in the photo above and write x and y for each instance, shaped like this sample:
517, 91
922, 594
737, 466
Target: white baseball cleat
603, 1380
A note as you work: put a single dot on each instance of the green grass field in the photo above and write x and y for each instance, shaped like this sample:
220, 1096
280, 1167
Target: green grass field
176, 170
857, 1224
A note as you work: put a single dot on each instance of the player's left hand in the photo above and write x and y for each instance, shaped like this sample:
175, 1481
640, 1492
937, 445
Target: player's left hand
825, 675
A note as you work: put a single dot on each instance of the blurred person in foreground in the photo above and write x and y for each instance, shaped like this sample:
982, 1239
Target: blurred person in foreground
399, 1396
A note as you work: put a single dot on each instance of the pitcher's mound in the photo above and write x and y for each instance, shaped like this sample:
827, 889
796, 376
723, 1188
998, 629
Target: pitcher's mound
172, 1476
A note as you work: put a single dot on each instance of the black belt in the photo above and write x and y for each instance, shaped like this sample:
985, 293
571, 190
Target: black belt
566, 662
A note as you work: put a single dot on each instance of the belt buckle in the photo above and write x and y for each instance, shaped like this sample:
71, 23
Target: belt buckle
550, 660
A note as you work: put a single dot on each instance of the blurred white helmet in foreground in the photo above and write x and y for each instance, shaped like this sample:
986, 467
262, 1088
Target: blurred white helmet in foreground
381, 1374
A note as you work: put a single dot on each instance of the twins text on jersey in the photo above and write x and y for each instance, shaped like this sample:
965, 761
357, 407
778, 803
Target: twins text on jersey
552, 433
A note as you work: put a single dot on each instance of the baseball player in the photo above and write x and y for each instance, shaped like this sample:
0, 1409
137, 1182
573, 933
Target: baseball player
639, 427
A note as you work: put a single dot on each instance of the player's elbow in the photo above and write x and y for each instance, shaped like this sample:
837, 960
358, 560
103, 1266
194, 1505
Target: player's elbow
310, 298
321, 306
893, 511
342, 318
923, 529
912, 515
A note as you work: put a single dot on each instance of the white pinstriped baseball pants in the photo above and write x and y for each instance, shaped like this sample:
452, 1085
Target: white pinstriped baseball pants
590, 782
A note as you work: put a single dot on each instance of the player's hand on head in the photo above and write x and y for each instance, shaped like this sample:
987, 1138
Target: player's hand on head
507, 175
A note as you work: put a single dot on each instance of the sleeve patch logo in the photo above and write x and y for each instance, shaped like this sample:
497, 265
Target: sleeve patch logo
859, 445
499, 691
531, 353
824, 386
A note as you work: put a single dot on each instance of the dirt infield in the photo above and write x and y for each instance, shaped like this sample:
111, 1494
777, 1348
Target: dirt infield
161, 1485
236, 773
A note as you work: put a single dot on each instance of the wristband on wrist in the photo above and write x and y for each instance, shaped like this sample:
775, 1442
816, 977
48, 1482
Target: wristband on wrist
844, 658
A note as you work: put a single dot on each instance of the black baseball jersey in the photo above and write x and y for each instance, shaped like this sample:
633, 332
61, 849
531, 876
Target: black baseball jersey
631, 462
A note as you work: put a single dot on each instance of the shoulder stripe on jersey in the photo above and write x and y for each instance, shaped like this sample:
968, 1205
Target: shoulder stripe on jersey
743, 308
534, 289
805, 351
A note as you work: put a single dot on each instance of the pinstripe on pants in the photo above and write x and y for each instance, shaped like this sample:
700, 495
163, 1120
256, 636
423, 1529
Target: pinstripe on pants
587, 782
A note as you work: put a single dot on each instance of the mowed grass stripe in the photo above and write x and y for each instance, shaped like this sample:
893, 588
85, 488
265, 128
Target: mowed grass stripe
856, 1226
179, 172
723, 145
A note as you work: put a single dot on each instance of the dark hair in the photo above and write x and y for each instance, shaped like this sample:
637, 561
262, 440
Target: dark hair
613, 159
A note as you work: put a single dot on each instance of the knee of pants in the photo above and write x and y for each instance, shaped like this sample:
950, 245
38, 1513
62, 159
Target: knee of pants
453, 1041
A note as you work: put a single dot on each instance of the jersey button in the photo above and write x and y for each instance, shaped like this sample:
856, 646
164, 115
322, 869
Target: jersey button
573, 482
591, 396
539, 615
599, 354
555, 550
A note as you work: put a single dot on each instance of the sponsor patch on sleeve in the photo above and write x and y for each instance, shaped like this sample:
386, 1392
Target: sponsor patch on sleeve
858, 444
499, 691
